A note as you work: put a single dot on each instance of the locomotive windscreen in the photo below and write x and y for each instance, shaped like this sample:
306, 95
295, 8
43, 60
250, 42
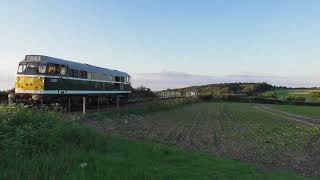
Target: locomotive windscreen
31, 68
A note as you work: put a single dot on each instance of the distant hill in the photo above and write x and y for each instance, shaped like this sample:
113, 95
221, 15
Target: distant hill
219, 90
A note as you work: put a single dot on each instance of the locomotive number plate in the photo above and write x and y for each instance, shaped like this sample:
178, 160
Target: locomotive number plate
54, 80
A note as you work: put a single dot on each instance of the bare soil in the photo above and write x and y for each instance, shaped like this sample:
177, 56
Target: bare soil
215, 130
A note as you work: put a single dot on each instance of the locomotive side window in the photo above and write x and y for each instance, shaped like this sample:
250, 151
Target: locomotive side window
71, 73
42, 68
121, 79
83, 74
54, 69
89, 75
97, 76
63, 70
76, 73
108, 77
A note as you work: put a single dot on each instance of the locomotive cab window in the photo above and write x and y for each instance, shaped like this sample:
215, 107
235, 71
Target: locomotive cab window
21, 68
32, 65
54, 69
29, 68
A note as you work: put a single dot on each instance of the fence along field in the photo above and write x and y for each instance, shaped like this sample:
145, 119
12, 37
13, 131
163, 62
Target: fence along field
236, 130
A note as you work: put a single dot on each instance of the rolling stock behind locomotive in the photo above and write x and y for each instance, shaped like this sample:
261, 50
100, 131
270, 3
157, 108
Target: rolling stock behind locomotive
47, 78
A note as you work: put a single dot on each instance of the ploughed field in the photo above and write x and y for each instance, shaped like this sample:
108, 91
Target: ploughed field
255, 133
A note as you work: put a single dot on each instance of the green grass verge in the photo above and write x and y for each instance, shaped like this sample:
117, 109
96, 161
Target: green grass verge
308, 111
41, 145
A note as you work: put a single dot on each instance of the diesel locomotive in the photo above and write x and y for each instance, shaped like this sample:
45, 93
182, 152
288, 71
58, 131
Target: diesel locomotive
47, 78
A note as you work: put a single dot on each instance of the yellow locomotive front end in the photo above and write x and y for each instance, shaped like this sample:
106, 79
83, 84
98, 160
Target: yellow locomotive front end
29, 84
30, 81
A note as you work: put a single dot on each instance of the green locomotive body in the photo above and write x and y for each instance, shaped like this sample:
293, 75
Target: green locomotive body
43, 76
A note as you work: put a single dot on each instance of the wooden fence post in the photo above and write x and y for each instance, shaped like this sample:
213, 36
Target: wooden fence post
84, 105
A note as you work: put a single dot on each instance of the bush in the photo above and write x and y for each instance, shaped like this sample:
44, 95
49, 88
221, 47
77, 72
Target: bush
264, 100
31, 131
25, 131
315, 94
295, 98
142, 93
3, 95
235, 97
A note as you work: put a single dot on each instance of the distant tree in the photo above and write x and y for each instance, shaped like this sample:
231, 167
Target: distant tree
248, 89
4, 94
269, 94
142, 92
262, 87
142, 88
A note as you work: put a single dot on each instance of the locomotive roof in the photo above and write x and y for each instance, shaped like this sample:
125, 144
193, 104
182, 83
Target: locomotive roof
74, 65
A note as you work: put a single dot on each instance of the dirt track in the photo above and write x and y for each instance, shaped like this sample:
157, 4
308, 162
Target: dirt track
233, 130
302, 119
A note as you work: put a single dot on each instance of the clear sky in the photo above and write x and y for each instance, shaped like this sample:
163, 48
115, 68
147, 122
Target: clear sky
278, 38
